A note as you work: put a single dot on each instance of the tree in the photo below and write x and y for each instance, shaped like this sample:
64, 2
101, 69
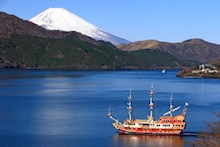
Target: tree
211, 137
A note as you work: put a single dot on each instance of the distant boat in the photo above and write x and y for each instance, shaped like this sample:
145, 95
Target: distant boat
163, 71
166, 125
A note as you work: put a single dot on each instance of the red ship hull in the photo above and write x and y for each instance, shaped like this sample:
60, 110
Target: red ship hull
165, 125
150, 132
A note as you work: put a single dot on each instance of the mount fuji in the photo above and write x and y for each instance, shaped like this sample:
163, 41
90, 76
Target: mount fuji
63, 20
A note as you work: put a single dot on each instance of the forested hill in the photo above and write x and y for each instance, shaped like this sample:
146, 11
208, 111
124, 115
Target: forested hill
26, 45
193, 50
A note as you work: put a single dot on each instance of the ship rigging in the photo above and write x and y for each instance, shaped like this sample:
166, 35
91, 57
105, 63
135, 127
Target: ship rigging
165, 125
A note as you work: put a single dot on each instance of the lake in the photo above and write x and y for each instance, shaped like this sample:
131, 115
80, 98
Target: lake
69, 108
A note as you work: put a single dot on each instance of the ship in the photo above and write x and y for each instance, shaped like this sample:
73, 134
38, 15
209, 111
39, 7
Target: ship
168, 124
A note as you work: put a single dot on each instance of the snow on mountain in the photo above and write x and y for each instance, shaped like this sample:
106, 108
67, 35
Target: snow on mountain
63, 20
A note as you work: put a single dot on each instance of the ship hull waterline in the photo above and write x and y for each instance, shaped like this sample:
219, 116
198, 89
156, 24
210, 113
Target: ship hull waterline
165, 125
148, 133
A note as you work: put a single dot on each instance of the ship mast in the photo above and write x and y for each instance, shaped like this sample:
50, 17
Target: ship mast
185, 109
171, 106
151, 105
129, 106
111, 117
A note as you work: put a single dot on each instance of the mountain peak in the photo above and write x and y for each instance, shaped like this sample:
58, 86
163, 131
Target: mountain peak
194, 40
60, 19
63, 20
145, 44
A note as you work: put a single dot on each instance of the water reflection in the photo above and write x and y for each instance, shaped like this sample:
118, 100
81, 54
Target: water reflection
68, 108
147, 141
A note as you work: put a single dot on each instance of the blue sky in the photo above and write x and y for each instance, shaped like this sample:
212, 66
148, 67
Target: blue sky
163, 20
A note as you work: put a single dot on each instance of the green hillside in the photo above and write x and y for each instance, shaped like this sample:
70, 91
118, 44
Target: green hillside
26, 45
79, 52
196, 51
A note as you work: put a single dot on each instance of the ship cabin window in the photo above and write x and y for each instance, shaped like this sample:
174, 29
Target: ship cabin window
147, 125
139, 129
166, 125
179, 125
158, 125
167, 120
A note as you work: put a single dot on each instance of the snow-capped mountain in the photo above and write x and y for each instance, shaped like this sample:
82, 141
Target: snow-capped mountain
63, 20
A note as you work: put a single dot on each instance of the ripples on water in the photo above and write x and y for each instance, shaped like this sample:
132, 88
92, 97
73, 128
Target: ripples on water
67, 108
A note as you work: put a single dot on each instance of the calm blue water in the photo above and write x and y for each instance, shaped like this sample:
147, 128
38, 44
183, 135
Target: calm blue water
68, 108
